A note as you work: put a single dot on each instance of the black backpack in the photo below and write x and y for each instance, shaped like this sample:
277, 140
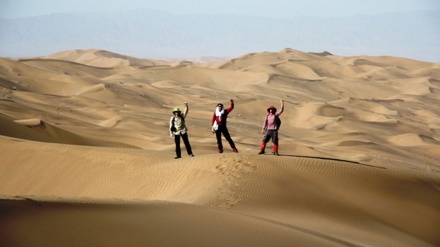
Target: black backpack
278, 122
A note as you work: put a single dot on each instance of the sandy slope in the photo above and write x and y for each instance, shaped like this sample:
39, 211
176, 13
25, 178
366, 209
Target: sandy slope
85, 140
334, 202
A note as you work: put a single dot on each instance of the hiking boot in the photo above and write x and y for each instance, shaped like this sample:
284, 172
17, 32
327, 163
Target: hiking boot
275, 153
234, 150
220, 151
191, 155
261, 152
177, 157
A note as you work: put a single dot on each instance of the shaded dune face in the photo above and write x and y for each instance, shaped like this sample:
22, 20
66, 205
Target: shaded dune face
85, 146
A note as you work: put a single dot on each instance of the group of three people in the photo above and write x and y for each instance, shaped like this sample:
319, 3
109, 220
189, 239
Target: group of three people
179, 130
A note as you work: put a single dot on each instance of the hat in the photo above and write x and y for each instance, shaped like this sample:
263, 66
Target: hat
271, 107
176, 109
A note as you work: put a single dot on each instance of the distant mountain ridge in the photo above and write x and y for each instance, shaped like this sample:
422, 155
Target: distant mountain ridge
158, 35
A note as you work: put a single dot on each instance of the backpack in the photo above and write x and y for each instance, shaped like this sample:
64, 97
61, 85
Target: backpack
278, 122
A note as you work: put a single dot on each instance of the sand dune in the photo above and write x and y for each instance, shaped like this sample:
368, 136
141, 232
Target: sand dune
87, 158
100, 58
144, 224
29, 122
302, 195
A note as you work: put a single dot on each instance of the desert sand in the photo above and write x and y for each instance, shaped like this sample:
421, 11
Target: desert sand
87, 160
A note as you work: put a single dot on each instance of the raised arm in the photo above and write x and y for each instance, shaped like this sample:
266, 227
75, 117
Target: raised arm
230, 107
281, 108
185, 111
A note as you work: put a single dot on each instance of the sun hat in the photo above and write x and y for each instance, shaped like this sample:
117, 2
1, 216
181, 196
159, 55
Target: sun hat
176, 109
271, 107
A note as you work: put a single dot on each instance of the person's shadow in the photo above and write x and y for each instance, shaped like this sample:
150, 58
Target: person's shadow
328, 158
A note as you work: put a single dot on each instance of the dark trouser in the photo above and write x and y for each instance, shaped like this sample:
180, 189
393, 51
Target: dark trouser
270, 134
185, 141
218, 134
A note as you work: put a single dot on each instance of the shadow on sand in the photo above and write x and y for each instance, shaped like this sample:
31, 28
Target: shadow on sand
333, 159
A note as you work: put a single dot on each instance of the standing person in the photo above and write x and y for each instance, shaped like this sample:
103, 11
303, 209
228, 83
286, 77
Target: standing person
219, 127
178, 129
270, 128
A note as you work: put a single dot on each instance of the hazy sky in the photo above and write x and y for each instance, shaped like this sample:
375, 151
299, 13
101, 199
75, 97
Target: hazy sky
279, 8
419, 46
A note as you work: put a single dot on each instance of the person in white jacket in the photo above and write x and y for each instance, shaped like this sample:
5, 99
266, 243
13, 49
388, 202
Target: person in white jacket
178, 129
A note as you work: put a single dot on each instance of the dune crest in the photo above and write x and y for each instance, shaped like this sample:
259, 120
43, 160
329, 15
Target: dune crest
29, 122
99, 58
407, 140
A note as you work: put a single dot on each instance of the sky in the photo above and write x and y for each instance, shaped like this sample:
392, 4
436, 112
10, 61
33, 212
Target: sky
331, 9
267, 8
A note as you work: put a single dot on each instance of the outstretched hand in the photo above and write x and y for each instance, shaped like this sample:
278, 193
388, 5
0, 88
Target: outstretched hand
231, 100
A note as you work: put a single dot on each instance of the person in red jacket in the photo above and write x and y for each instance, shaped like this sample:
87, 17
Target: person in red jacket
219, 127
270, 128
